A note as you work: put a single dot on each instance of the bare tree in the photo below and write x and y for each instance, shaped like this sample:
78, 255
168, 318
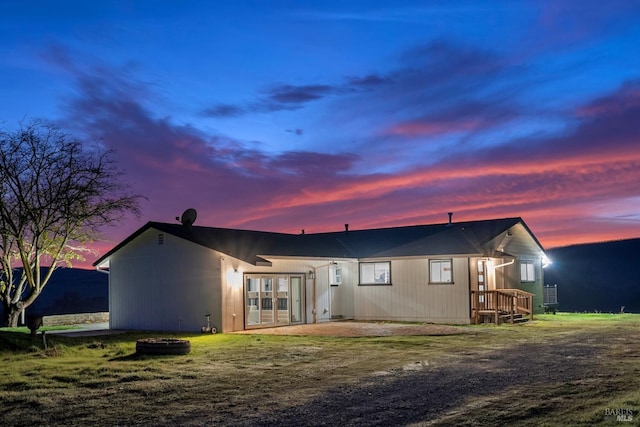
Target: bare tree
55, 195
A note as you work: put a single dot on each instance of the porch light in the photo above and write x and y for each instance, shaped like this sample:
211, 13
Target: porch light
234, 278
546, 262
311, 274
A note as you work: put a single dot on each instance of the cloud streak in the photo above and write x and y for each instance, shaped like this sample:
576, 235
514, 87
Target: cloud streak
294, 97
551, 179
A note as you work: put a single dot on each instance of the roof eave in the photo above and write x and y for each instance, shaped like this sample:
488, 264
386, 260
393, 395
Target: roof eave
100, 261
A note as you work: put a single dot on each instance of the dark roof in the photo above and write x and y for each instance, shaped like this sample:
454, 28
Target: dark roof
460, 238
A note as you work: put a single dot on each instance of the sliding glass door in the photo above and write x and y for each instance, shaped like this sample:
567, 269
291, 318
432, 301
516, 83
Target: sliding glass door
273, 300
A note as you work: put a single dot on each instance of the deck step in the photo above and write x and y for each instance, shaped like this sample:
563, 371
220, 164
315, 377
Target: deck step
487, 316
507, 315
517, 318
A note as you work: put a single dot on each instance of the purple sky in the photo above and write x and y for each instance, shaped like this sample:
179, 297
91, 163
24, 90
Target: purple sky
290, 115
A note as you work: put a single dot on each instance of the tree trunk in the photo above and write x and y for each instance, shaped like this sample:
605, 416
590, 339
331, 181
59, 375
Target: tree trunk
10, 316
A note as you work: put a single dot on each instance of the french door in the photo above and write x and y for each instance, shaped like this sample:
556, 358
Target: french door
273, 300
482, 283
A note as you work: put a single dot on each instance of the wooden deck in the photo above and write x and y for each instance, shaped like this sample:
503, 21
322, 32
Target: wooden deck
501, 305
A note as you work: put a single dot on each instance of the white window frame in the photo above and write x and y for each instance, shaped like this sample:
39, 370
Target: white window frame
527, 271
438, 273
335, 275
376, 270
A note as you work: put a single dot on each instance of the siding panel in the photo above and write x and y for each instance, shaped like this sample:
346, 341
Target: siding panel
411, 298
163, 287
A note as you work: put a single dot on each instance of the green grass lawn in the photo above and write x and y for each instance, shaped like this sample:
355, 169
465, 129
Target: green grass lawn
101, 381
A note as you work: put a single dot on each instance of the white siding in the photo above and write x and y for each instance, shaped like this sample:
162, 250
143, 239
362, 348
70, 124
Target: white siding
232, 303
410, 297
173, 285
169, 286
342, 303
535, 287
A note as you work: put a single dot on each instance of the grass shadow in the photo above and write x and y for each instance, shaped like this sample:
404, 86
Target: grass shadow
128, 357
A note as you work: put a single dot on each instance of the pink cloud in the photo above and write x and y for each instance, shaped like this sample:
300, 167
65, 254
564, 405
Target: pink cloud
625, 98
426, 128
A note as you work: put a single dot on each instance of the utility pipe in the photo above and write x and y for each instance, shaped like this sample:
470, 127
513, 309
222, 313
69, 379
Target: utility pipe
504, 264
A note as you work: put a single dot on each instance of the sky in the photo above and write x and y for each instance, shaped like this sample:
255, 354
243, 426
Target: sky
291, 115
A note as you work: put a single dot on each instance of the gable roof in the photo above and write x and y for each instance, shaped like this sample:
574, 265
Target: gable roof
460, 238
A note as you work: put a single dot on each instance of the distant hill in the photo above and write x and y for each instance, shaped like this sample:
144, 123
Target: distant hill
597, 276
72, 290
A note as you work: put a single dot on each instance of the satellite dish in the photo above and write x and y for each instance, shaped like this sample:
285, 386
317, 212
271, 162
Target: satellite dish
188, 217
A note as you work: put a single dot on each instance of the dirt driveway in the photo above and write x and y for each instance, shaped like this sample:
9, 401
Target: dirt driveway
505, 385
362, 329
445, 394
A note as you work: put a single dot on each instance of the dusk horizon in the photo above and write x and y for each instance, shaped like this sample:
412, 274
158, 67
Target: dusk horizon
285, 116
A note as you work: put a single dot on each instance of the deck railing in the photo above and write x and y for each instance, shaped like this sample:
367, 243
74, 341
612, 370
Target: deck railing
506, 304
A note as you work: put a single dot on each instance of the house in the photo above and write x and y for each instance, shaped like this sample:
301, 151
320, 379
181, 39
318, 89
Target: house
170, 276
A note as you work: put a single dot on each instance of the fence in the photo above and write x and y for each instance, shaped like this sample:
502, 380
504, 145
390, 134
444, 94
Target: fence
75, 319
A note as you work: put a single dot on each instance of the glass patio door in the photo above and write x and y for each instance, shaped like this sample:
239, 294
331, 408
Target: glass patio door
296, 299
273, 300
282, 301
267, 317
253, 300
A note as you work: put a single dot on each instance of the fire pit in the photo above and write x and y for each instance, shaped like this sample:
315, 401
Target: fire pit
163, 346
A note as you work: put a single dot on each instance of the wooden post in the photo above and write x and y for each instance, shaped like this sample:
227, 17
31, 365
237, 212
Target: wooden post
530, 307
476, 316
511, 308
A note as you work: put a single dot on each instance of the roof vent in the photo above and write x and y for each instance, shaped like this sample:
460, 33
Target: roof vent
346, 228
450, 217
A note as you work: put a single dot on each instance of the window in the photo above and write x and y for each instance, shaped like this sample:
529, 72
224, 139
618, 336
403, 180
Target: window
283, 304
267, 284
335, 275
283, 284
375, 273
527, 271
267, 303
441, 271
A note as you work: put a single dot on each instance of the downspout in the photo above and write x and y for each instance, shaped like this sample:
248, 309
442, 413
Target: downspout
470, 303
500, 266
314, 310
